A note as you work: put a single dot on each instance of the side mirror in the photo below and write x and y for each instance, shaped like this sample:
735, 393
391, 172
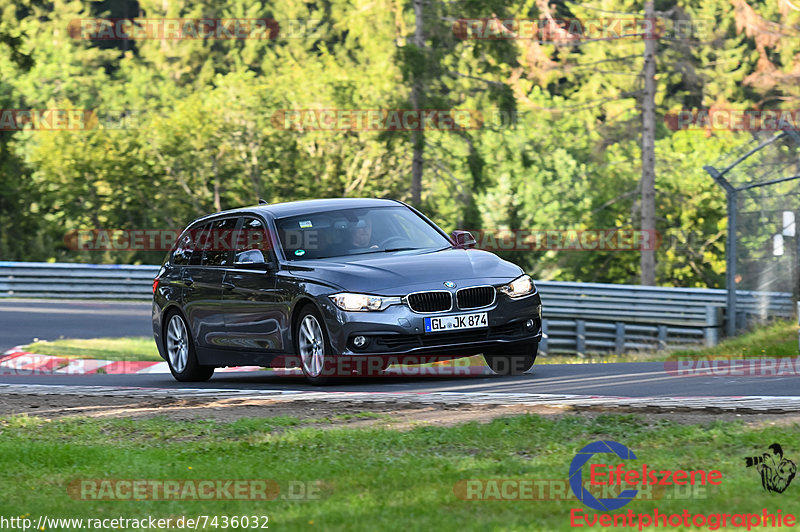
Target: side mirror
252, 259
463, 239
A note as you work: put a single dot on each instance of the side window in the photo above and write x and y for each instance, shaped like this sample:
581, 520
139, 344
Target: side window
218, 247
251, 239
201, 243
183, 249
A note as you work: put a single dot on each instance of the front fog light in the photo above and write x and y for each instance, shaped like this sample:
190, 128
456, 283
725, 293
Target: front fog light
359, 341
529, 324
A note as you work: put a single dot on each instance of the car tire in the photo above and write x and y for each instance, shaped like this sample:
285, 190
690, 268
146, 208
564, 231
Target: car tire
181, 355
313, 348
513, 362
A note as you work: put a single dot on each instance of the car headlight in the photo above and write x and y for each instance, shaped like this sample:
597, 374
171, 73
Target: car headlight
521, 286
362, 302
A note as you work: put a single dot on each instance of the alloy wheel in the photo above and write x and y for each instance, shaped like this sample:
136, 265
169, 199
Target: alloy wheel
312, 346
177, 343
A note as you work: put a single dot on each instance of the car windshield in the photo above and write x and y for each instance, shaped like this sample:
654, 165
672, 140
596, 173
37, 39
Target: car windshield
356, 232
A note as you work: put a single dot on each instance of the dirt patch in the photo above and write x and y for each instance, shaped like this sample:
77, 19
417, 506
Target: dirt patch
323, 414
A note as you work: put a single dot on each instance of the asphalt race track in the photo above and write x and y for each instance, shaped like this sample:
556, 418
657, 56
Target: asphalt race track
638, 379
21, 321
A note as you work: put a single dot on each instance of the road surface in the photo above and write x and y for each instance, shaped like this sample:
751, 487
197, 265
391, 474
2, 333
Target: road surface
23, 320
636, 379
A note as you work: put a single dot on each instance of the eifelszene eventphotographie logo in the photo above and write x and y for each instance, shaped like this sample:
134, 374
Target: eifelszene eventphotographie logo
618, 476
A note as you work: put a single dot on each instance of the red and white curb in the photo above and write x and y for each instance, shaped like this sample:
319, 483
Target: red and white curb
15, 361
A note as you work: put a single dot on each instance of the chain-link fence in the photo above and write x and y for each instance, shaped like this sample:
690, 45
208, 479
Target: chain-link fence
761, 180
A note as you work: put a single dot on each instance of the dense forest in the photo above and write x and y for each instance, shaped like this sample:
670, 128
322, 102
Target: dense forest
551, 140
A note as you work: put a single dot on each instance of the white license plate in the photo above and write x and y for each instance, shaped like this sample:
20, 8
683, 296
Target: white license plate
456, 323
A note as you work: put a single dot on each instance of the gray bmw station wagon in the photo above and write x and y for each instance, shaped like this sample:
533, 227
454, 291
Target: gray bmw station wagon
338, 287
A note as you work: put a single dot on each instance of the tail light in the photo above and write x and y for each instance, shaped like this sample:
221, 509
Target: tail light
155, 284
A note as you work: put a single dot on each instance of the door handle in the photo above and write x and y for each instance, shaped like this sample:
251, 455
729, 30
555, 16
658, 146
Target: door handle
187, 281
227, 285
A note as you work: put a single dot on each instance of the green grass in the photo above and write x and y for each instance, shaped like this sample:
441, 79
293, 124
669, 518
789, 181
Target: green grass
778, 339
370, 479
132, 348
775, 340
599, 358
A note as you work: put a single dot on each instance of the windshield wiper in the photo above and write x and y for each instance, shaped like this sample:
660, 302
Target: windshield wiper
390, 250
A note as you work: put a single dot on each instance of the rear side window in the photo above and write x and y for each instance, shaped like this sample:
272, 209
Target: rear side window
218, 242
201, 243
183, 249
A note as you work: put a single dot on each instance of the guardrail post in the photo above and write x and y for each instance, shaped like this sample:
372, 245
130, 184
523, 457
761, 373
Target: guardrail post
662, 336
742, 319
580, 337
543, 341
619, 338
711, 331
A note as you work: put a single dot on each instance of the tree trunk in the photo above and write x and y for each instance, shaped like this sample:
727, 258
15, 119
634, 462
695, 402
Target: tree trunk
417, 94
255, 176
217, 202
648, 256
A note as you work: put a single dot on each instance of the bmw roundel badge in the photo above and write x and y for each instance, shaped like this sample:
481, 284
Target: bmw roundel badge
450, 284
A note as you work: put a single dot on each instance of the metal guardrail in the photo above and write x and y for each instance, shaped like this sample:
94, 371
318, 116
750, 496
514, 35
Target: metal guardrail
578, 317
76, 281
595, 317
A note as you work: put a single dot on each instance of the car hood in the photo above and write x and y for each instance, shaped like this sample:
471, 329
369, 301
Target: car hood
407, 271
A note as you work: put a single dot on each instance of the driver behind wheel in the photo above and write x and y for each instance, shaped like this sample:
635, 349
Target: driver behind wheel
361, 235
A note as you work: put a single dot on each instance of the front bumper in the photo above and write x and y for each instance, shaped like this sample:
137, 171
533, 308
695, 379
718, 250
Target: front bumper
398, 330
